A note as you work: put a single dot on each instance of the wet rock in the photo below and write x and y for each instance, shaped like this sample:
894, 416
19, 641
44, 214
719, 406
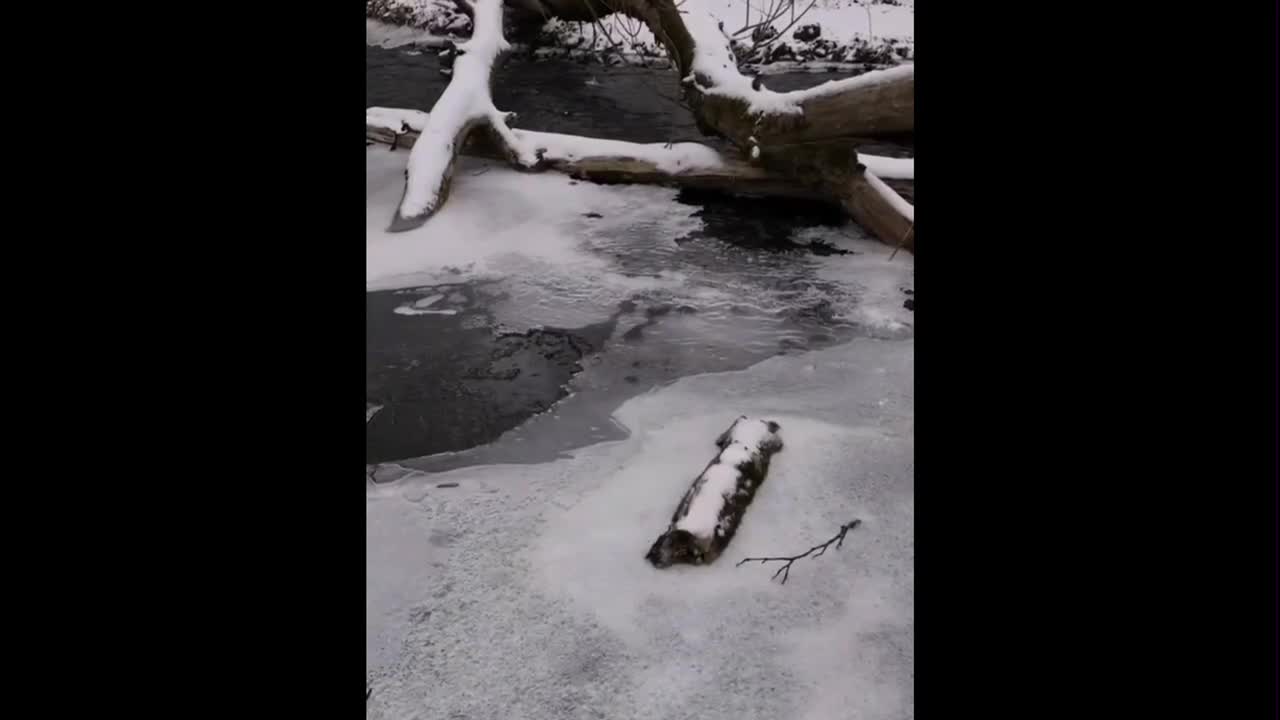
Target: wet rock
686, 309
447, 485
806, 33
910, 304
592, 215
635, 333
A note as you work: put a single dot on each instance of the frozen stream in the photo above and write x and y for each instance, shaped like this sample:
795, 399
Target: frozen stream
549, 363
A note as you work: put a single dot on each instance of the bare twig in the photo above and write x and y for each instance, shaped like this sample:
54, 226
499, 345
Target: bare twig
785, 570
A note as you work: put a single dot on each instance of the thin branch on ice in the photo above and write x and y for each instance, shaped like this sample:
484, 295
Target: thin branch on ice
785, 570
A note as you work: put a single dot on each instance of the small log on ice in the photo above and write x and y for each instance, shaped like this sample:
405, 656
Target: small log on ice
712, 509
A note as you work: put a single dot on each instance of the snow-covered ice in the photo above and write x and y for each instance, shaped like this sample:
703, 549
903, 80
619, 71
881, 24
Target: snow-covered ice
523, 592
560, 267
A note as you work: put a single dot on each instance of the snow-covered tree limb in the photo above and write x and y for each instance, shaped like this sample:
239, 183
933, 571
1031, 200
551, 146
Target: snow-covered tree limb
689, 165
465, 105
872, 203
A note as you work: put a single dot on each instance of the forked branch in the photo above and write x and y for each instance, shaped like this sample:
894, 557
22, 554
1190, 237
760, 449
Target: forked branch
785, 570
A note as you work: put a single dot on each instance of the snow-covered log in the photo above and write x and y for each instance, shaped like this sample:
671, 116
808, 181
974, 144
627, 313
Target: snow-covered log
465, 105
685, 165
870, 201
708, 515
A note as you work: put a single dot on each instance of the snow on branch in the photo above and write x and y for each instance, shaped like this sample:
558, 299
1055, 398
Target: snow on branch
682, 164
714, 71
465, 106
904, 208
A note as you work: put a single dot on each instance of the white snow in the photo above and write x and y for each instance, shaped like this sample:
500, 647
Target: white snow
395, 118
897, 201
718, 482
523, 592
736, 454
831, 87
751, 432
406, 310
554, 266
672, 158
887, 167
499, 223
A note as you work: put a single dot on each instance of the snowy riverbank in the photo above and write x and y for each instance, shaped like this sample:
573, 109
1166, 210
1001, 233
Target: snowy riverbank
824, 32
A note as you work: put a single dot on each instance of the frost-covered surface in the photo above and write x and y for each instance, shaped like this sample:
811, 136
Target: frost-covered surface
523, 592
558, 264
848, 31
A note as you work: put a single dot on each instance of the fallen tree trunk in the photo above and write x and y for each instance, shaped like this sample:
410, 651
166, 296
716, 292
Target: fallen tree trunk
685, 165
870, 201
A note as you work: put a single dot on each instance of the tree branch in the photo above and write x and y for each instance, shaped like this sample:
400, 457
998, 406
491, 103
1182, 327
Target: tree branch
785, 570
465, 105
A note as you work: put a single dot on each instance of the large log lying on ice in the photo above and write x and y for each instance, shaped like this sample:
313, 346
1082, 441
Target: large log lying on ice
685, 165
712, 508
